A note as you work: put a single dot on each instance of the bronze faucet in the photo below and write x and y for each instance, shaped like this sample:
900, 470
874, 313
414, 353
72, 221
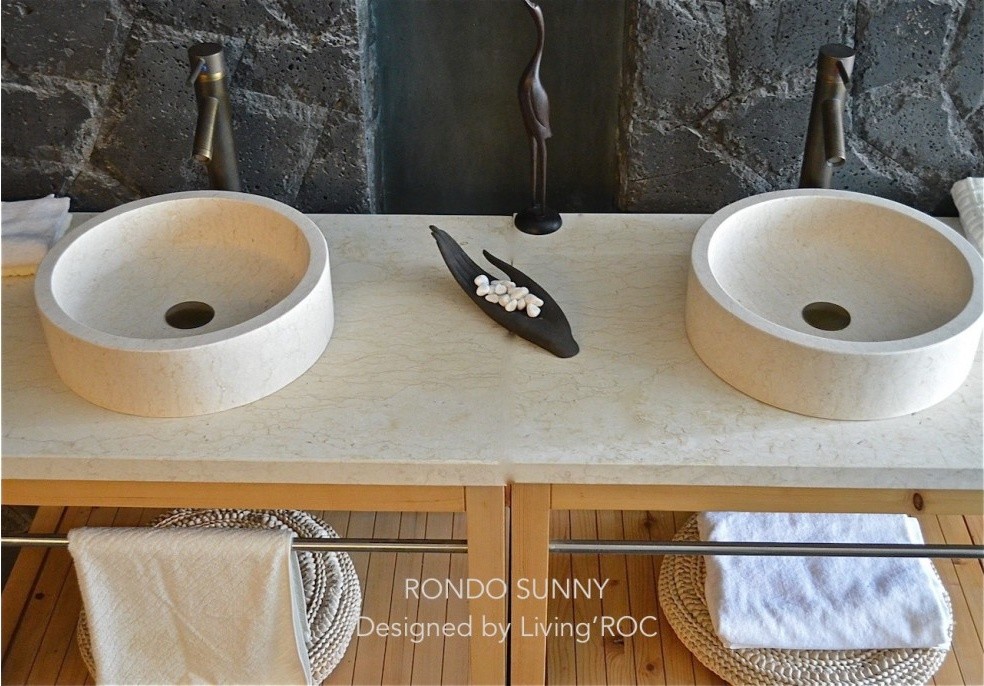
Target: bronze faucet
825, 148
214, 144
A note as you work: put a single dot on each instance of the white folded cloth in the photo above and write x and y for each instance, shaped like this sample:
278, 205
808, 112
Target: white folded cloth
968, 196
30, 228
192, 606
822, 603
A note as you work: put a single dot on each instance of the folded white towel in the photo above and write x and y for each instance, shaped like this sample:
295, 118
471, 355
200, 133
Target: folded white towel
968, 196
822, 603
192, 606
30, 228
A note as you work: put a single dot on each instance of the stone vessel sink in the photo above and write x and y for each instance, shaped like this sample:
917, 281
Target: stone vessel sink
187, 303
834, 304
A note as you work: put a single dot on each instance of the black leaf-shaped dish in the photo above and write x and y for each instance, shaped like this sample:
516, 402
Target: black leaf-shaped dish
550, 330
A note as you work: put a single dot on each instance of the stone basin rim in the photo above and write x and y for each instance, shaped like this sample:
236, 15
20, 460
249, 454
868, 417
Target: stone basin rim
50, 308
969, 316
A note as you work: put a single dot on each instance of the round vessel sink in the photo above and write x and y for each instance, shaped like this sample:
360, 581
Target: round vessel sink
834, 304
187, 303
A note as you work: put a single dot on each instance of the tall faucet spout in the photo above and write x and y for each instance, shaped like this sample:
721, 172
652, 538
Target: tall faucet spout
833, 132
825, 146
214, 144
208, 109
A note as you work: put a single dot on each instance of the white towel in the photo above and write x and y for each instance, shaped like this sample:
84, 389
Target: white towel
30, 228
822, 603
968, 196
192, 606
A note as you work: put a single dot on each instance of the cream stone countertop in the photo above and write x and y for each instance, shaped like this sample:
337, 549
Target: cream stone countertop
418, 386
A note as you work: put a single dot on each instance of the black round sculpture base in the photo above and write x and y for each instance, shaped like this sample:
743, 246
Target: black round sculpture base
538, 221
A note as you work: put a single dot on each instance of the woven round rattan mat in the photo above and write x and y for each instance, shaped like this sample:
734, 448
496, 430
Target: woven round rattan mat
332, 595
681, 595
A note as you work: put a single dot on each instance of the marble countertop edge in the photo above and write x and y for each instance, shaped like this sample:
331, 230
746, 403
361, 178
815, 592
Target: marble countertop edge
428, 415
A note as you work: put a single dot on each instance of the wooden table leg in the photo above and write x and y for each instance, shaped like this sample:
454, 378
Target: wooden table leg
530, 540
485, 513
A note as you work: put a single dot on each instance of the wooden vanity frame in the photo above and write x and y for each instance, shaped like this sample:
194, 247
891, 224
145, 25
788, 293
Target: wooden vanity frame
484, 508
530, 529
660, 423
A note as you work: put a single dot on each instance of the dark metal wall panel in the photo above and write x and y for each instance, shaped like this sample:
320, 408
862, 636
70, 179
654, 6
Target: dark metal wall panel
450, 135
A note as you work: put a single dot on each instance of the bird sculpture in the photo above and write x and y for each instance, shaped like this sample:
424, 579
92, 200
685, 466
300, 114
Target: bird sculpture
535, 107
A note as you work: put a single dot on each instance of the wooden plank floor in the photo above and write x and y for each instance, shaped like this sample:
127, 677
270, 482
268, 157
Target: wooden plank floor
41, 604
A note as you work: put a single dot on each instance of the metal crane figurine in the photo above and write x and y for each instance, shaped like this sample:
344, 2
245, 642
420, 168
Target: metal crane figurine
533, 103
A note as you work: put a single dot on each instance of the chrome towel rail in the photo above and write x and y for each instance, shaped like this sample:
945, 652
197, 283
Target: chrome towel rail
586, 547
324, 545
581, 547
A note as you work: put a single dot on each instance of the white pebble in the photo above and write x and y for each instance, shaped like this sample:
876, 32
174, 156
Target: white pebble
508, 295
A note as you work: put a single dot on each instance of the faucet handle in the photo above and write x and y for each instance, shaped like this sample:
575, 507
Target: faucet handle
845, 74
197, 67
836, 61
206, 62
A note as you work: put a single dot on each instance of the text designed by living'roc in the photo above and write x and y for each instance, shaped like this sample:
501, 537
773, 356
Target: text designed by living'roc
581, 630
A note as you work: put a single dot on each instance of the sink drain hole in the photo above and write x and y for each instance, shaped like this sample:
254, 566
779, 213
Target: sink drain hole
826, 316
190, 314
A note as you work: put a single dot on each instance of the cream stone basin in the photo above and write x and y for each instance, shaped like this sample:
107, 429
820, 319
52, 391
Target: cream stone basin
187, 303
834, 304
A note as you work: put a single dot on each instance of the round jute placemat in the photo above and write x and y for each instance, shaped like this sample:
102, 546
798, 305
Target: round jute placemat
332, 595
681, 595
